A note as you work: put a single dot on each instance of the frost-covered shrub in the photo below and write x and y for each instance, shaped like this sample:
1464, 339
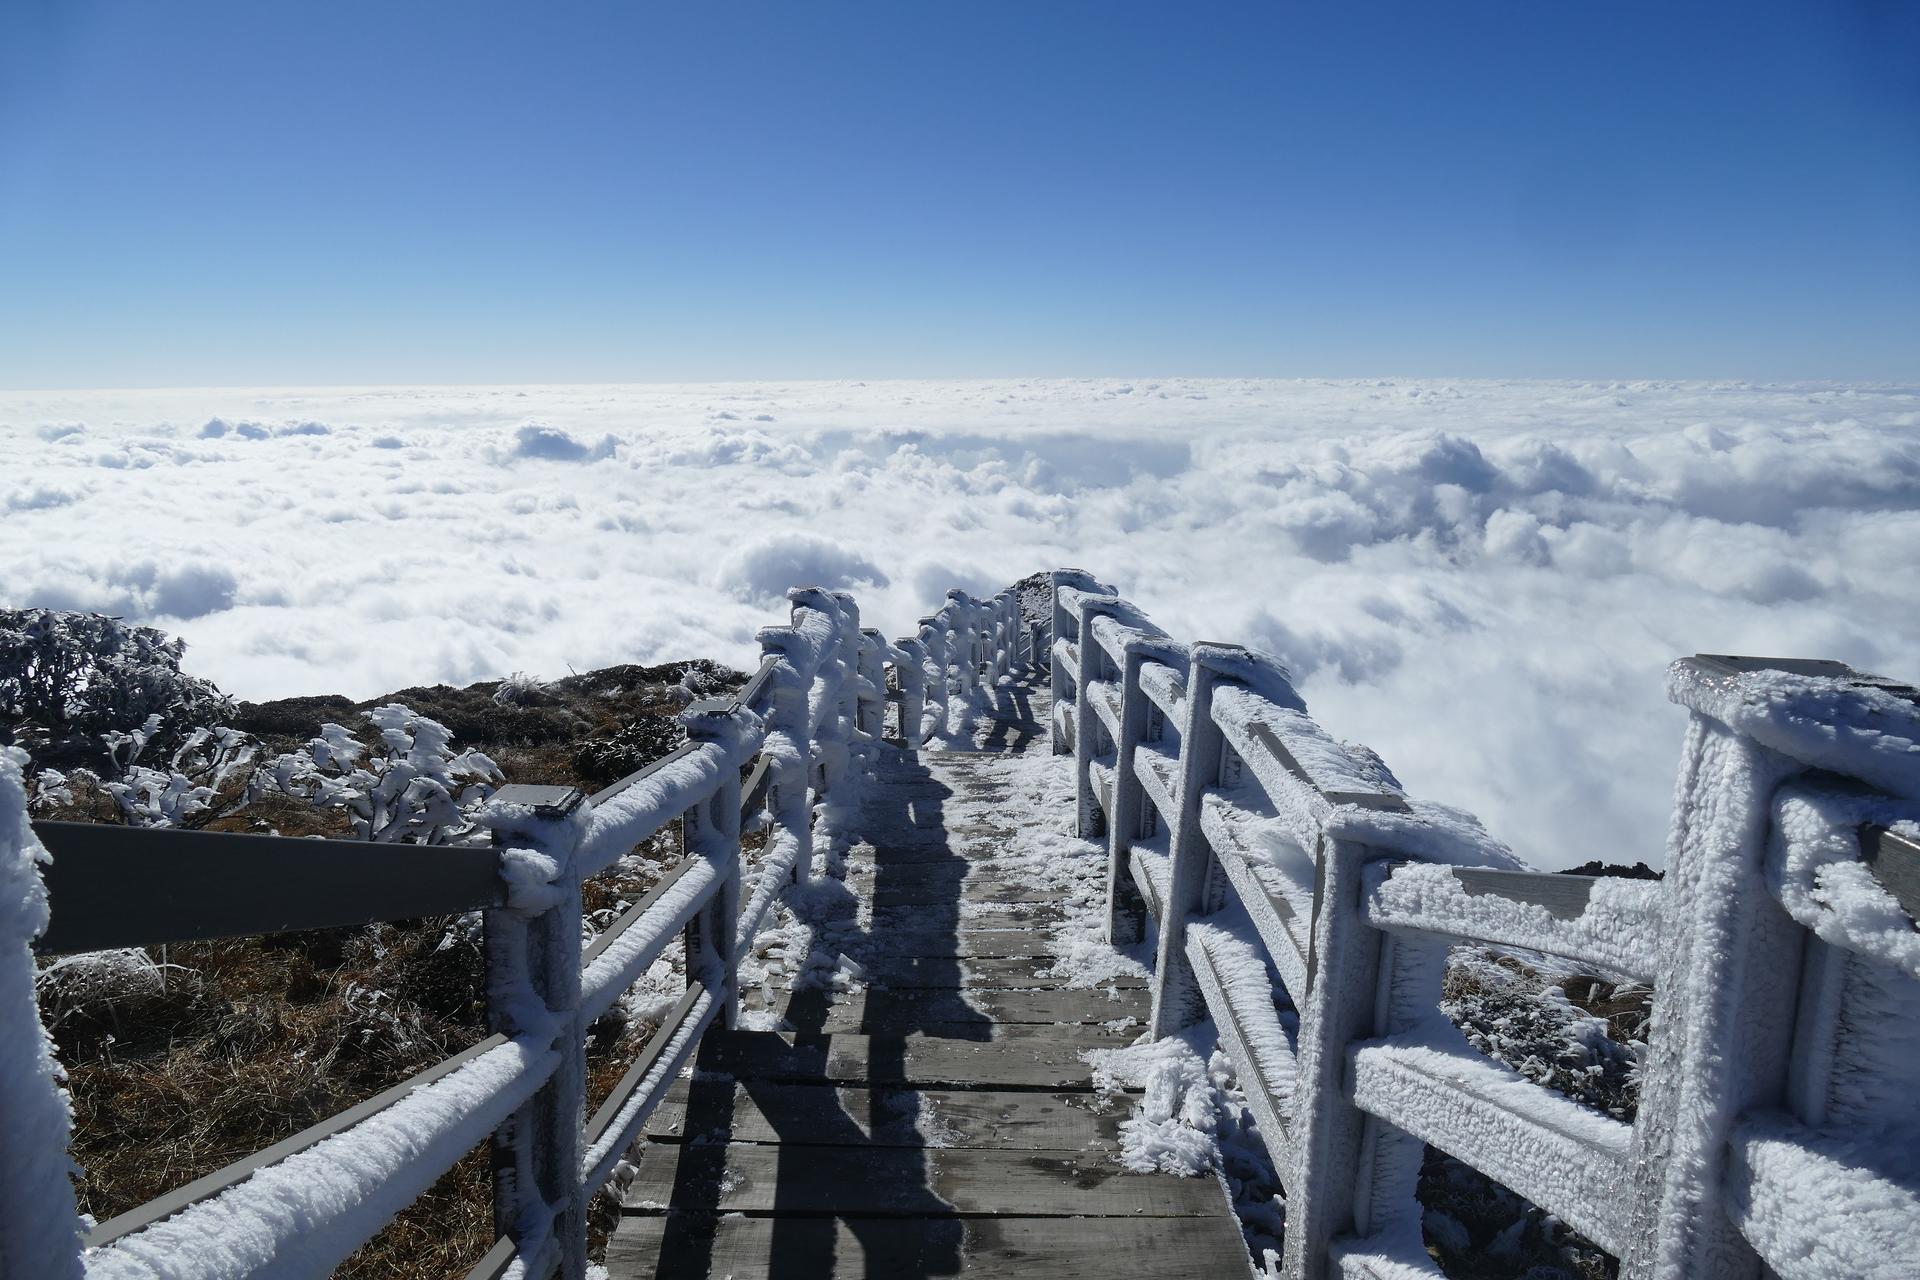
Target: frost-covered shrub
519, 689
414, 788
183, 793
1479, 1230
605, 758
1518, 1015
68, 679
94, 996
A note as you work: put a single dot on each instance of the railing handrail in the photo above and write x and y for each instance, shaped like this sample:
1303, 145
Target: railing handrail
1370, 887
814, 706
114, 886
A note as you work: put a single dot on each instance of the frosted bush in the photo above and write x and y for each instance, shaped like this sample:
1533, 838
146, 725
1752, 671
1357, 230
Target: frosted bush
414, 788
519, 689
1523, 1017
66, 679
183, 793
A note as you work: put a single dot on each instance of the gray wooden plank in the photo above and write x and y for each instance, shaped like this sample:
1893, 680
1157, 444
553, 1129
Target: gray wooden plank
973, 915
911, 938
721, 1108
886, 891
1015, 1058
743, 1248
984, 973
910, 1009
751, 1177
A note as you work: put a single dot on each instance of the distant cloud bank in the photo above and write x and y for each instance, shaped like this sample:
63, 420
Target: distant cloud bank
1481, 580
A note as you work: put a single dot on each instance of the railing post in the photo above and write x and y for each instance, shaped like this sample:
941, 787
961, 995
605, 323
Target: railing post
1003, 634
789, 805
711, 830
933, 637
533, 991
828, 693
872, 688
847, 627
966, 641
1725, 990
913, 692
1063, 627
1177, 999
40, 1231
1126, 910
1089, 732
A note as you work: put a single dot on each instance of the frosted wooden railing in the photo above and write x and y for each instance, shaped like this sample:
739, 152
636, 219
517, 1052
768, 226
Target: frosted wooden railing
1777, 1122
811, 713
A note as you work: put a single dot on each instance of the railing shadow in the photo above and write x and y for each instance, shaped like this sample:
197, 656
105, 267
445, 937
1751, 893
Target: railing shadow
909, 1231
1014, 724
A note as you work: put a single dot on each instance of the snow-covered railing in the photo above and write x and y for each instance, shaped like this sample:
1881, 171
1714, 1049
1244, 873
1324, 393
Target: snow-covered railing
1301, 900
777, 755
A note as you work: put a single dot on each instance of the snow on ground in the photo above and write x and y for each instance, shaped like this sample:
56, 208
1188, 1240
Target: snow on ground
1039, 815
1481, 580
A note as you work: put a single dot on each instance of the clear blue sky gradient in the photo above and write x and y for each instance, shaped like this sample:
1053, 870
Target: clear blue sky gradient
251, 193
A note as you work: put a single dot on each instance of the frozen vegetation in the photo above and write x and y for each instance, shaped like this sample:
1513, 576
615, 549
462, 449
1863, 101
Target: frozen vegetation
1550, 546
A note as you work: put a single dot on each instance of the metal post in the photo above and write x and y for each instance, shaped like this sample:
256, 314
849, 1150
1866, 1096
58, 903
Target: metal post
1725, 991
40, 1231
913, 692
1177, 999
1065, 627
788, 747
1090, 739
711, 830
533, 990
966, 640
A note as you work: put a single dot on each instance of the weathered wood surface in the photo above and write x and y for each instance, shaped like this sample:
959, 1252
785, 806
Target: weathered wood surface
821, 1115
875, 1011
754, 1177
1014, 1057
942, 1120
977, 973
1002, 1248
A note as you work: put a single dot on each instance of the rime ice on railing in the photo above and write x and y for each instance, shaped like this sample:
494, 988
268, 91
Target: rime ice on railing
1777, 1119
812, 718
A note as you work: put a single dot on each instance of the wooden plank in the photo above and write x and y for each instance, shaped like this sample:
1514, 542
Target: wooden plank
719, 1108
886, 891
901, 938
743, 1248
747, 1177
936, 849
983, 973
1015, 1058
912, 1008
975, 915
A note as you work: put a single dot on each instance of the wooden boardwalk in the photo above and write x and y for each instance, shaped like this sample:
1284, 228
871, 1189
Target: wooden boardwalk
939, 1122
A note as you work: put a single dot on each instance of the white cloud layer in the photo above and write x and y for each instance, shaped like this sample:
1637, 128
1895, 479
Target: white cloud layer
1481, 580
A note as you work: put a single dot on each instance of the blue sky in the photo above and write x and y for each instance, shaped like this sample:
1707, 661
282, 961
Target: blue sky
202, 194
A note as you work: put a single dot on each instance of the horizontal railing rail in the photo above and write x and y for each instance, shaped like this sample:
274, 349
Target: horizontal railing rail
1246, 843
114, 887
775, 756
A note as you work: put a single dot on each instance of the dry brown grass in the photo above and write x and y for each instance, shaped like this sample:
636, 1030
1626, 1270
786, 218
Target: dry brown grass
250, 1041
253, 1040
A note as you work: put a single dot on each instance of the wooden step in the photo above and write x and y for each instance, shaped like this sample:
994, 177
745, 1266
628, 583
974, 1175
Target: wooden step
1015, 1058
719, 1108
913, 1009
1087, 1248
984, 973
792, 1178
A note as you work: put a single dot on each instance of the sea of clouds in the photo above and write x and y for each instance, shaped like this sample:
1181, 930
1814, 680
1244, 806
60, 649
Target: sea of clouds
1481, 580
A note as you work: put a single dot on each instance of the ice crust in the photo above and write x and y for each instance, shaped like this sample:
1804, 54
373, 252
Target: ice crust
39, 1223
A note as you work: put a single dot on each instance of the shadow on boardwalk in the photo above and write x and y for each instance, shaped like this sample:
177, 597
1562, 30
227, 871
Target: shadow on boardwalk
904, 817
